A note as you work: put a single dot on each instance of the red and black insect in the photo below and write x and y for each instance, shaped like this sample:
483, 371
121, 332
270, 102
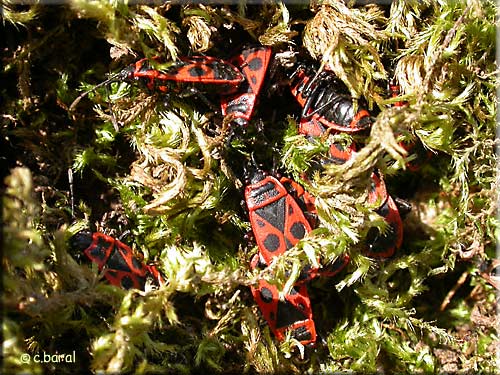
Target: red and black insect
187, 76
253, 63
208, 74
320, 99
121, 267
292, 313
308, 207
278, 222
378, 245
277, 210
281, 213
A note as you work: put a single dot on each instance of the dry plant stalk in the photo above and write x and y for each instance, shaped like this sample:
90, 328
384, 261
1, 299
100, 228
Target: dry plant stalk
344, 39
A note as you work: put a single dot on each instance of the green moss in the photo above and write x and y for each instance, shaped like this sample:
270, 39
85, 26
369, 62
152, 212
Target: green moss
167, 170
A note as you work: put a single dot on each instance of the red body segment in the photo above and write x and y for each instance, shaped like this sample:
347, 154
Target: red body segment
378, 246
378, 190
203, 72
253, 63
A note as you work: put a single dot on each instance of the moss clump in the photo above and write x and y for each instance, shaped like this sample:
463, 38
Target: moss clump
165, 169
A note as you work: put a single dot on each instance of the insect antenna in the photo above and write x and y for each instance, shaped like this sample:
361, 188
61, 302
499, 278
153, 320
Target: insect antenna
114, 121
112, 78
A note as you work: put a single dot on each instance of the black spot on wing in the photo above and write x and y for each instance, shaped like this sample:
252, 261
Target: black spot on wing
197, 71
266, 295
255, 64
272, 242
298, 230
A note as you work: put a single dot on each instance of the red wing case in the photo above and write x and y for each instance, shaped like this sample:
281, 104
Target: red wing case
278, 222
215, 74
254, 63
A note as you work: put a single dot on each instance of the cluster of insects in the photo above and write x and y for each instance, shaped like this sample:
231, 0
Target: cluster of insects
281, 212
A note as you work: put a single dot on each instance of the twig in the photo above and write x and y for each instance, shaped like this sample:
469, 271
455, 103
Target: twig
452, 292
